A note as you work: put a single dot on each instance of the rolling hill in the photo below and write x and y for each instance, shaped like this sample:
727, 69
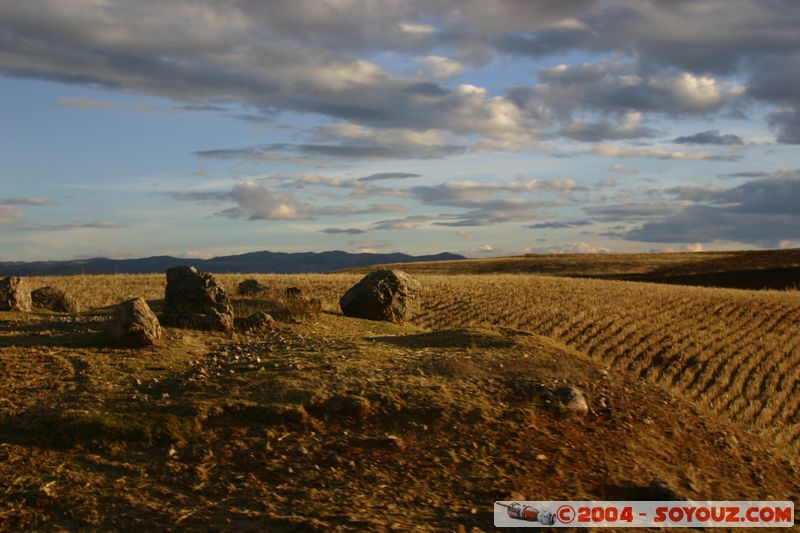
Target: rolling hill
255, 262
750, 269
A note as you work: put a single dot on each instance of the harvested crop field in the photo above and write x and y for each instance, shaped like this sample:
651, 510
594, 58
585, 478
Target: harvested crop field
335, 423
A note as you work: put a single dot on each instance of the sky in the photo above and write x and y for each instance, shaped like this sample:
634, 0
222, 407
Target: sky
195, 128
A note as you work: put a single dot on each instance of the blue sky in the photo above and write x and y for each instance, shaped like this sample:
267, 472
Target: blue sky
205, 128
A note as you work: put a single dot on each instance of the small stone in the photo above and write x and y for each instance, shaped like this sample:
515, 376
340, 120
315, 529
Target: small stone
293, 292
251, 287
257, 322
570, 402
387, 442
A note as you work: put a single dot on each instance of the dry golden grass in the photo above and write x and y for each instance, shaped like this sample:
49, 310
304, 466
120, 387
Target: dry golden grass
613, 266
735, 352
247, 432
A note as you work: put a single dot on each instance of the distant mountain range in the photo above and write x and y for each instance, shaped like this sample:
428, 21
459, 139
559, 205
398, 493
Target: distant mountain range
255, 263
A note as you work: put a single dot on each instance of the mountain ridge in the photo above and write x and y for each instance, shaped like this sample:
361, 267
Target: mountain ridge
263, 262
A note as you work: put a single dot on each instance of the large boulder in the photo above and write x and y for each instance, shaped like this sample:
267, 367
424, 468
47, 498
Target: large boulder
14, 295
135, 325
196, 300
382, 295
54, 300
251, 287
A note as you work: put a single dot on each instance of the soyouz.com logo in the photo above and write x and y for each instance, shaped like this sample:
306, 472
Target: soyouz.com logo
643, 514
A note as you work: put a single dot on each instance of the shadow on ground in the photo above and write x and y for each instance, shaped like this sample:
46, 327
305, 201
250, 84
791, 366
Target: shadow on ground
451, 338
53, 331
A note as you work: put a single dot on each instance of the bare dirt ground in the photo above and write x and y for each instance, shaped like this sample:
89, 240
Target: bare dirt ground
339, 424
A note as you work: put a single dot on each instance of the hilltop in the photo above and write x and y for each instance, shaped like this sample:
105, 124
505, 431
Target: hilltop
749, 269
254, 262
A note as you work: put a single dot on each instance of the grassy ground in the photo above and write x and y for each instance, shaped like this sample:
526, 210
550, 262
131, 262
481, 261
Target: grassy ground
342, 424
756, 269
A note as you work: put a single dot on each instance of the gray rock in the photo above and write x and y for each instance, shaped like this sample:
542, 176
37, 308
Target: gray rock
344, 407
381, 295
570, 401
14, 295
251, 287
257, 322
294, 292
135, 325
54, 300
195, 300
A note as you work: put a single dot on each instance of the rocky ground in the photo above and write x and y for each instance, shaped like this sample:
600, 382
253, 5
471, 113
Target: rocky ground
338, 424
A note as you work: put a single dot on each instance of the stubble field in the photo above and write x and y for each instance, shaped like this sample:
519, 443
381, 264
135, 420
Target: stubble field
697, 386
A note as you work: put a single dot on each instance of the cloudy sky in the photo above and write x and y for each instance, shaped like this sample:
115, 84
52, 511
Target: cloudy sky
200, 127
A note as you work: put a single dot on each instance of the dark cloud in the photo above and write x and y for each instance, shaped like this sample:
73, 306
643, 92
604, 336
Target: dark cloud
304, 57
561, 225
746, 174
495, 202
342, 231
710, 137
389, 176
605, 130
546, 41
407, 223
707, 224
761, 212
254, 200
775, 78
273, 57
787, 124
636, 211
498, 212
205, 54
367, 150
26, 201
620, 88
99, 224
352, 209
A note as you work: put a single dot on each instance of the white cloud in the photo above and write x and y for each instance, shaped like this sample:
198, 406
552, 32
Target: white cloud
440, 67
696, 93
257, 202
9, 214
88, 103
613, 150
470, 236
410, 27
567, 248
623, 169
